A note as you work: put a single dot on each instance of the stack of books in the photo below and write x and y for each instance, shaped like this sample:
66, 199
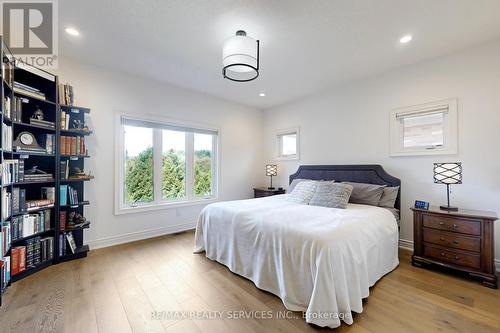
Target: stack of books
18, 108
4, 272
23, 226
64, 121
7, 113
18, 200
73, 145
42, 123
6, 137
28, 91
38, 177
66, 240
38, 204
5, 238
6, 207
18, 260
12, 171
48, 141
66, 95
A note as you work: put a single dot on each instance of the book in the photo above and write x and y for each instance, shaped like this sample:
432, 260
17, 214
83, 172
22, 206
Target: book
15, 200
49, 193
64, 169
63, 196
47, 141
71, 242
42, 123
62, 220
22, 258
14, 255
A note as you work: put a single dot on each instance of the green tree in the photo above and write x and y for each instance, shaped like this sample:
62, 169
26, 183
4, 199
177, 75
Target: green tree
139, 177
174, 169
203, 173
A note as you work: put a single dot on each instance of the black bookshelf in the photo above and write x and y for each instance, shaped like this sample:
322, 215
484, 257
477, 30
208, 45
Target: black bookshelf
47, 100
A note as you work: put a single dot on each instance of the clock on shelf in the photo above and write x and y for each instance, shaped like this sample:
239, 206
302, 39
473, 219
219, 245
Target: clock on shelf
26, 141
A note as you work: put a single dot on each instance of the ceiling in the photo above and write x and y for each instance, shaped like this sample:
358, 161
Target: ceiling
306, 46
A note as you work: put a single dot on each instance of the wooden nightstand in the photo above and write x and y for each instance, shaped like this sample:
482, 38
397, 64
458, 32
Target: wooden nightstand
264, 192
461, 240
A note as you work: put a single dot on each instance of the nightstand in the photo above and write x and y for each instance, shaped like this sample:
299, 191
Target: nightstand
265, 192
461, 240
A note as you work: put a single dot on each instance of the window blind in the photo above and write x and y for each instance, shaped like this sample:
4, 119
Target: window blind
171, 127
423, 112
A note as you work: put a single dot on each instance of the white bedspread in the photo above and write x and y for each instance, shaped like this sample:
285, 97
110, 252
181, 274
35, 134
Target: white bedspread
318, 260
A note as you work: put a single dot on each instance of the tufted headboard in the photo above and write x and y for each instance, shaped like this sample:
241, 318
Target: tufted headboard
362, 173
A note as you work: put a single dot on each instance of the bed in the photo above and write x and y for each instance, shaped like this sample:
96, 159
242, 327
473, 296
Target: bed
318, 260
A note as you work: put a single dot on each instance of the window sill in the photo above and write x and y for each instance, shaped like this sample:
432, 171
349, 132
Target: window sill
288, 158
167, 205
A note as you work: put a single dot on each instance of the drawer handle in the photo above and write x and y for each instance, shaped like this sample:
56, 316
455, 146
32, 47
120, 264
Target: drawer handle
441, 239
455, 226
441, 223
454, 258
455, 242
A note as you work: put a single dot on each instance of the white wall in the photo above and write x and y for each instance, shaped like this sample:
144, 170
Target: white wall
350, 124
106, 92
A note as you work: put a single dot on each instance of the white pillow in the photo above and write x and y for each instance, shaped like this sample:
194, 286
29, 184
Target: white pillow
303, 192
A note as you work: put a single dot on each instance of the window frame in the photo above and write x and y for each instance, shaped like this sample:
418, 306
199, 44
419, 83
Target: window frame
158, 203
450, 128
278, 146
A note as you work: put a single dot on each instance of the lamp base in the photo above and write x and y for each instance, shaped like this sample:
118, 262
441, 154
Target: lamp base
271, 188
450, 208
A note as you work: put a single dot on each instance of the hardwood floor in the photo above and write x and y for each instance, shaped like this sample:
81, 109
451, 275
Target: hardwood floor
118, 289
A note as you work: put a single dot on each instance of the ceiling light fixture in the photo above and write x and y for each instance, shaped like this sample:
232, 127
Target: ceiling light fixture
262, 94
72, 31
240, 58
405, 39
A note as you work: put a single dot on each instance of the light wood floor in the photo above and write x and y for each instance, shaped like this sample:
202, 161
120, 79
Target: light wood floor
116, 290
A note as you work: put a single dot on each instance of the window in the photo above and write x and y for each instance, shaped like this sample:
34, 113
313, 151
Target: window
164, 164
287, 144
427, 129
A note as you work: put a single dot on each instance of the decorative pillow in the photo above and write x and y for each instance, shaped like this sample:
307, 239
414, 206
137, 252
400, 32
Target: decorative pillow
389, 196
294, 183
303, 192
332, 195
366, 194
299, 180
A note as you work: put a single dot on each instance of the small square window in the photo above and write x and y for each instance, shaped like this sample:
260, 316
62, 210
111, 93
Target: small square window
428, 129
287, 142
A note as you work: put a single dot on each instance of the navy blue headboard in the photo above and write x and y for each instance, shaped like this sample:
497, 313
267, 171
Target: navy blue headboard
361, 173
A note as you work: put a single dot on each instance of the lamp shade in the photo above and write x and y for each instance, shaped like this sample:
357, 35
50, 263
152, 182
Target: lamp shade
240, 58
448, 173
271, 170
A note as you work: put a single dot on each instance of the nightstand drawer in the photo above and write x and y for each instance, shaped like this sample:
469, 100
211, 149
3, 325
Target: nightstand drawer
453, 257
463, 226
456, 241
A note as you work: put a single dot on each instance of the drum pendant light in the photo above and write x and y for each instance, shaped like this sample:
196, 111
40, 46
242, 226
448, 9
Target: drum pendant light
240, 58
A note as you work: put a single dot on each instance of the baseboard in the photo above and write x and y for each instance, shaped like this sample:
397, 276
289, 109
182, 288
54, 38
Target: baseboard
408, 245
139, 235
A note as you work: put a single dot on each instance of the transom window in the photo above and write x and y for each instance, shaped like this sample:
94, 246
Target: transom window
287, 144
164, 164
427, 129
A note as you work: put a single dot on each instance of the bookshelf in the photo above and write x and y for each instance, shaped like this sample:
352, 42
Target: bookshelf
42, 189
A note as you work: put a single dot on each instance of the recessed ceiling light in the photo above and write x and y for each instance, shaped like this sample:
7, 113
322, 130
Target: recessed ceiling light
405, 39
72, 31
262, 95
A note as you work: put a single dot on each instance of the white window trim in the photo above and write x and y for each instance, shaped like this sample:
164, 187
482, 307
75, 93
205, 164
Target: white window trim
450, 145
120, 208
277, 144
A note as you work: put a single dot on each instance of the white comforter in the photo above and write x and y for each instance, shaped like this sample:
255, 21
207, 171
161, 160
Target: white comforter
318, 260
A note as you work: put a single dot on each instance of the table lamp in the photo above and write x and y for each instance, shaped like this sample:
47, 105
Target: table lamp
271, 170
448, 173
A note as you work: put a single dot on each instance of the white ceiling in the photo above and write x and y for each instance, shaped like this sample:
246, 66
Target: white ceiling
306, 45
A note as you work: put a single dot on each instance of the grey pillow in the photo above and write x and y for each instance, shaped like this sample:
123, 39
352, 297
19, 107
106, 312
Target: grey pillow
332, 195
303, 192
389, 196
294, 183
366, 194
299, 180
